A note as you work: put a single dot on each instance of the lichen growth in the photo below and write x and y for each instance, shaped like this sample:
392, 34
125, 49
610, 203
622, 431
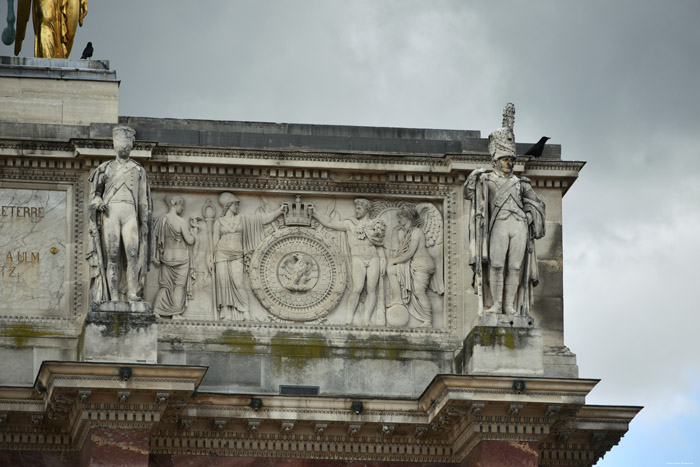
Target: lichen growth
241, 342
509, 339
116, 327
21, 333
495, 336
377, 348
486, 336
292, 352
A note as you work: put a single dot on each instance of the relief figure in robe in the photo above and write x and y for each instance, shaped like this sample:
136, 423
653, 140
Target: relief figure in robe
235, 236
174, 255
410, 270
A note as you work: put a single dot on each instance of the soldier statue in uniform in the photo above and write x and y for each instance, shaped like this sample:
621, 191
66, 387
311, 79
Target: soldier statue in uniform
505, 217
121, 224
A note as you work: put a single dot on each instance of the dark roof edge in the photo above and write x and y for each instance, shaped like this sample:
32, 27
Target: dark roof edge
302, 129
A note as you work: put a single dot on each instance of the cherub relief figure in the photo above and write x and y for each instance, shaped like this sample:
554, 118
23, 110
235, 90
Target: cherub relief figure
174, 255
367, 259
235, 236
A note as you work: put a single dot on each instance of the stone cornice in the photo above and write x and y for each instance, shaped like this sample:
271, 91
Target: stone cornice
175, 156
51, 373
547, 390
453, 415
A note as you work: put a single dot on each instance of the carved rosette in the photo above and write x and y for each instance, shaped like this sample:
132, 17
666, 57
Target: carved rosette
297, 275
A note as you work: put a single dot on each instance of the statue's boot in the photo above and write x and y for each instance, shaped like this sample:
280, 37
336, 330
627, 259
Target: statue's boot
496, 283
512, 283
113, 281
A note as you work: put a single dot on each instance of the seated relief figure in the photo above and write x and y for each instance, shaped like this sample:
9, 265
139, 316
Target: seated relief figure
365, 237
505, 217
409, 272
235, 236
174, 254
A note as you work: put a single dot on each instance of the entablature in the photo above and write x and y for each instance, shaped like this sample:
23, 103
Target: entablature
453, 415
294, 163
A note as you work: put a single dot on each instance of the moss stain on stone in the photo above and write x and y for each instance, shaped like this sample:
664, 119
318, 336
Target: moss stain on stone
510, 339
377, 348
291, 352
116, 326
288, 351
241, 342
21, 333
493, 336
486, 336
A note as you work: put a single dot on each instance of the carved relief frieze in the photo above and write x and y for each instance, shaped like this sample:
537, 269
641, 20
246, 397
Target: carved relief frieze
191, 296
352, 261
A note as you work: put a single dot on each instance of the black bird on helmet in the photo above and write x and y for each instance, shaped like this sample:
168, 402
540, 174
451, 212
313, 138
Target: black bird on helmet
537, 148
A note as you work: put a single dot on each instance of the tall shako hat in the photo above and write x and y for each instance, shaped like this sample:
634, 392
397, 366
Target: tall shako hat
127, 130
502, 141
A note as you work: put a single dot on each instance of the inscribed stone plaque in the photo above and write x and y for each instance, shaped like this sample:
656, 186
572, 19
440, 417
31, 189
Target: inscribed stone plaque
33, 242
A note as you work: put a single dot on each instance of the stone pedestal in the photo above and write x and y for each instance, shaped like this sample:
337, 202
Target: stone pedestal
120, 332
57, 91
496, 347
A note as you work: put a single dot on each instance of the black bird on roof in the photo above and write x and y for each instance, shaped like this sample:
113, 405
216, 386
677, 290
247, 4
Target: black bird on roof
87, 51
537, 148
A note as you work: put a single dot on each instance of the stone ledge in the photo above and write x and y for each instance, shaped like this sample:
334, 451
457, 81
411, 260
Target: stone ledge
26, 67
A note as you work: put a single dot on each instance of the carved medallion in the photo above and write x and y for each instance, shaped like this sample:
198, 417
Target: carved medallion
297, 275
298, 272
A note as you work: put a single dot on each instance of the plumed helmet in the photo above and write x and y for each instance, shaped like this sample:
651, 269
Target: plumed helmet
502, 141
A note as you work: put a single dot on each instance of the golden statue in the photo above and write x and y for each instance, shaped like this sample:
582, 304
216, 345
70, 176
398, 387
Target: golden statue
55, 23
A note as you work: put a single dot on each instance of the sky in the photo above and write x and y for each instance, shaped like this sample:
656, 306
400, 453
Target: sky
614, 82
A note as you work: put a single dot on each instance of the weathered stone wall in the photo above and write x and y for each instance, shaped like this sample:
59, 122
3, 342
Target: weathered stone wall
296, 275
70, 92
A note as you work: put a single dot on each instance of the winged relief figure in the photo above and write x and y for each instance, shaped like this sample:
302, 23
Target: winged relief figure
417, 263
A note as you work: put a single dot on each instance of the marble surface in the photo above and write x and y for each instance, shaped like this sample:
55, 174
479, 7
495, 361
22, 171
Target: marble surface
33, 256
294, 269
